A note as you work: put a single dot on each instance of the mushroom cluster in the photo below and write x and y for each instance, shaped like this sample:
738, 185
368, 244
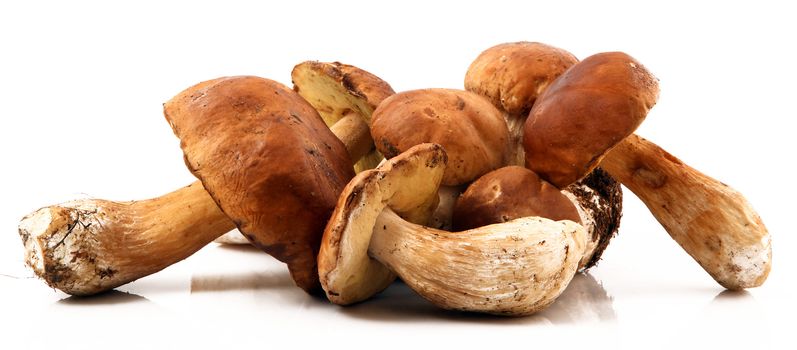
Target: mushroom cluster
487, 199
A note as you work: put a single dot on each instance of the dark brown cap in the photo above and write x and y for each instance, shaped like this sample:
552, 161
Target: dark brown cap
583, 114
268, 160
471, 130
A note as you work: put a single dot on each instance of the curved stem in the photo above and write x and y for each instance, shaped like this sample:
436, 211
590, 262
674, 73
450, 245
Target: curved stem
514, 268
711, 221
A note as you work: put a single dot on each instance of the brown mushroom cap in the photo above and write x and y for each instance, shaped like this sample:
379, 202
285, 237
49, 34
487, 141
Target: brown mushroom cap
338, 90
348, 274
514, 192
513, 75
471, 130
583, 114
509, 193
268, 160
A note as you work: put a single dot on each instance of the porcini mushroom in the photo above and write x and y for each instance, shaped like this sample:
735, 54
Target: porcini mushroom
585, 118
345, 96
514, 192
509, 193
711, 221
263, 152
514, 268
512, 76
470, 129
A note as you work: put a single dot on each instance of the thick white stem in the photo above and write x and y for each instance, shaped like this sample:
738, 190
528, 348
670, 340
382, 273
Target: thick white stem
514, 268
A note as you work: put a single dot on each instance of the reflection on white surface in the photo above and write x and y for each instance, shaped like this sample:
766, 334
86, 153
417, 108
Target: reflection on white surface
113, 297
584, 300
239, 292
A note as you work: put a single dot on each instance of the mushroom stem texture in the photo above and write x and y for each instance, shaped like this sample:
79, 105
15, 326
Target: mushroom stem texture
515, 124
514, 268
711, 221
88, 246
355, 134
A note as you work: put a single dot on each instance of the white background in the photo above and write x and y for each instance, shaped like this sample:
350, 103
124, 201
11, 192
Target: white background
81, 88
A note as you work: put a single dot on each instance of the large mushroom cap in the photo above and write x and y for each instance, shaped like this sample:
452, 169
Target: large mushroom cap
268, 160
348, 274
471, 130
583, 114
513, 75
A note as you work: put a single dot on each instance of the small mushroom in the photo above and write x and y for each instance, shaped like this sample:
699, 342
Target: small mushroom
513, 268
512, 76
586, 118
261, 151
514, 192
509, 193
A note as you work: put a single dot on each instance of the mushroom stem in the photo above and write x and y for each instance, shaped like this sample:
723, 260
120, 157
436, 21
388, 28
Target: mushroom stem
355, 134
87, 246
711, 221
442, 217
515, 124
513, 268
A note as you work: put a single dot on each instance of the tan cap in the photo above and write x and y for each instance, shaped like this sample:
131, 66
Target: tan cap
470, 129
513, 75
267, 159
339, 92
407, 184
583, 114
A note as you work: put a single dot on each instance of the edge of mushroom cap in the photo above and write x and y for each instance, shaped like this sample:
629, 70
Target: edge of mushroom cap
359, 83
343, 261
